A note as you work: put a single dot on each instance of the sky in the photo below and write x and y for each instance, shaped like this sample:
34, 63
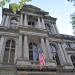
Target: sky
60, 9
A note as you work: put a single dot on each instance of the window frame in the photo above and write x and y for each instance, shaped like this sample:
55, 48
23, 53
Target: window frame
31, 50
10, 48
73, 60
48, 27
55, 54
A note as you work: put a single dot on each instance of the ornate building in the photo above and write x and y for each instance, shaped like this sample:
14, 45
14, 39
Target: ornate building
29, 28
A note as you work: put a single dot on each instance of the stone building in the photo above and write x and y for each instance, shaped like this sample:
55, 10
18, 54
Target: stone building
29, 28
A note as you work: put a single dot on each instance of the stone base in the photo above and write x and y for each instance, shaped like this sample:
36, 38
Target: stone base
8, 70
28, 65
51, 64
36, 73
22, 62
44, 73
68, 67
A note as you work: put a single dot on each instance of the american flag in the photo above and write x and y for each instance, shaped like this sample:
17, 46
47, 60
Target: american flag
41, 58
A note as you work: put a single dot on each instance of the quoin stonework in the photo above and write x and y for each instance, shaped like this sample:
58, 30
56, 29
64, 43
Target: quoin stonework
30, 29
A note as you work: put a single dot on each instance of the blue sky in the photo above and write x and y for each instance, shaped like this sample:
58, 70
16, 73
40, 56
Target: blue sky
61, 9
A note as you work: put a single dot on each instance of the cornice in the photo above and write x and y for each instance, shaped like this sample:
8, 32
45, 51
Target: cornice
23, 30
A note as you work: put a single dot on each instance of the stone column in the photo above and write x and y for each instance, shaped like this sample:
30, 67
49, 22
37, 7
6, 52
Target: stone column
25, 21
43, 47
54, 29
19, 53
1, 49
65, 54
21, 20
3, 20
26, 48
61, 55
49, 52
7, 21
39, 23
43, 24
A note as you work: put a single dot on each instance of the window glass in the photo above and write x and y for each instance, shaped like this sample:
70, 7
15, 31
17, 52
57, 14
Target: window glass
33, 52
12, 54
73, 60
6, 56
9, 53
55, 54
31, 23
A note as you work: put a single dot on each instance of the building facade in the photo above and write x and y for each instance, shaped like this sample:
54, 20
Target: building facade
26, 30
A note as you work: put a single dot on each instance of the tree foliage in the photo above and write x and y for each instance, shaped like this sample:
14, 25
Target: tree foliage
15, 6
3, 2
73, 1
73, 19
73, 15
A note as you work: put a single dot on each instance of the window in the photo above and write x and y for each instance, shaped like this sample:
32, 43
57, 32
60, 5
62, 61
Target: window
68, 45
31, 23
33, 48
48, 27
73, 60
55, 54
9, 53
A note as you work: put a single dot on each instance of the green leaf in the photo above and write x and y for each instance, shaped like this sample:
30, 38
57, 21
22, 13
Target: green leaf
15, 6
3, 2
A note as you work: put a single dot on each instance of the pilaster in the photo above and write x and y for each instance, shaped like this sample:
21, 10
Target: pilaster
49, 52
66, 55
39, 23
61, 55
3, 20
21, 20
7, 21
43, 24
19, 53
54, 29
1, 48
26, 48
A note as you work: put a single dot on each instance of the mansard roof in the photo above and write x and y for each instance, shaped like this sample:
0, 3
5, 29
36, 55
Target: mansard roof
30, 8
62, 36
34, 9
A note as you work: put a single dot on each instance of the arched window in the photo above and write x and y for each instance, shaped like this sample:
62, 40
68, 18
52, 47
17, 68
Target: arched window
55, 54
9, 53
73, 60
33, 52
